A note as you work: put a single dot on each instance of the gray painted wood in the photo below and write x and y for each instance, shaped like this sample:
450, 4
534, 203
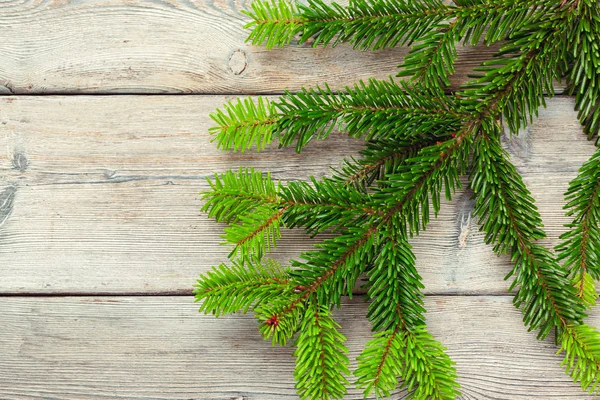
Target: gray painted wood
168, 46
161, 348
100, 195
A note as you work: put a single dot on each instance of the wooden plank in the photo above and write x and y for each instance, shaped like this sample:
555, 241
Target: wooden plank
161, 348
100, 195
169, 46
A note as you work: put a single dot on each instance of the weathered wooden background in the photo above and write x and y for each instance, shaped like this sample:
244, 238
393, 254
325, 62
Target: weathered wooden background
103, 130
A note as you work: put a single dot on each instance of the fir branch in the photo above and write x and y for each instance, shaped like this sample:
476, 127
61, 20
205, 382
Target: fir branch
357, 244
233, 195
396, 310
517, 80
241, 286
429, 374
321, 357
324, 205
255, 208
275, 23
256, 233
385, 23
414, 356
332, 271
418, 183
419, 143
374, 25
275, 325
581, 345
584, 79
547, 298
380, 158
381, 363
512, 223
245, 124
395, 288
431, 61
580, 247
373, 110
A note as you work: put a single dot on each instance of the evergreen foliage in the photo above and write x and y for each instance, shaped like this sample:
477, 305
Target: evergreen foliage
420, 138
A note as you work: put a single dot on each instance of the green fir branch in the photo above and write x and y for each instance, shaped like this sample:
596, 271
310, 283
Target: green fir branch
402, 348
244, 124
517, 80
241, 286
372, 110
234, 194
430, 62
580, 247
584, 79
420, 140
321, 358
374, 25
256, 233
379, 158
545, 294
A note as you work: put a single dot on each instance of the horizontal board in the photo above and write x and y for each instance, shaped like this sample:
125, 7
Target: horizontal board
100, 195
161, 348
170, 46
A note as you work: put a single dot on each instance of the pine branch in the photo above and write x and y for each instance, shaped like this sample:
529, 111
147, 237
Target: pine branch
581, 345
277, 326
517, 80
321, 357
255, 208
580, 248
241, 286
431, 61
373, 110
381, 363
374, 25
419, 141
388, 23
584, 79
244, 124
236, 194
429, 374
512, 223
416, 357
256, 233
331, 271
275, 23
385, 23
353, 247
325, 205
402, 349
341, 260
379, 159
418, 183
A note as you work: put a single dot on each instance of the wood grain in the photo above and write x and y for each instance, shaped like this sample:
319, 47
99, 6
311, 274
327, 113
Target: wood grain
161, 348
169, 46
100, 195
